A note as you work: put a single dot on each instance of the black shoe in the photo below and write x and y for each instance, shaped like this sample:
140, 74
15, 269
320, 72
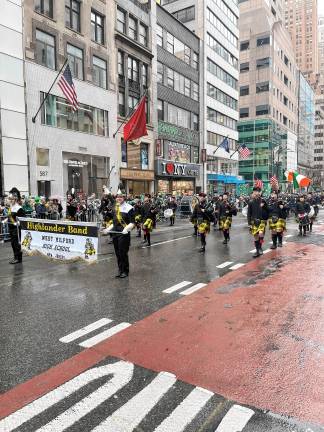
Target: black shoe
274, 246
144, 241
300, 234
225, 241
202, 249
118, 275
257, 254
15, 261
149, 245
260, 251
123, 275
279, 244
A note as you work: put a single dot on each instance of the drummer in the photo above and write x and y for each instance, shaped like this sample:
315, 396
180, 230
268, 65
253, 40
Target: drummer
172, 204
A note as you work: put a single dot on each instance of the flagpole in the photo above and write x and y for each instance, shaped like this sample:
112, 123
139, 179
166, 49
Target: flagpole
47, 94
129, 115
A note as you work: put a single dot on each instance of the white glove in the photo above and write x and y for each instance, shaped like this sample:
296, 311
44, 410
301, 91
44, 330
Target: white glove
128, 228
106, 230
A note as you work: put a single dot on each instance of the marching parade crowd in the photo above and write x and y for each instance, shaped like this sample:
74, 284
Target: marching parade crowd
119, 214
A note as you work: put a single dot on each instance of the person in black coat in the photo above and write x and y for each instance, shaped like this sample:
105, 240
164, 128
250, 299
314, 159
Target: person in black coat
15, 210
172, 204
226, 213
278, 213
202, 215
302, 210
257, 216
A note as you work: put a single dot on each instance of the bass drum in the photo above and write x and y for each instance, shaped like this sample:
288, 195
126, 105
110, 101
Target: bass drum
245, 211
312, 212
168, 213
194, 202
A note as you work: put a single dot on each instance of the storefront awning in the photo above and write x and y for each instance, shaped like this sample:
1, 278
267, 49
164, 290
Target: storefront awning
228, 179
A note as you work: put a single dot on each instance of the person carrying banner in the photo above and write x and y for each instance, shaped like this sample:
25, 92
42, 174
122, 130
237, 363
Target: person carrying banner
123, 223
15, 210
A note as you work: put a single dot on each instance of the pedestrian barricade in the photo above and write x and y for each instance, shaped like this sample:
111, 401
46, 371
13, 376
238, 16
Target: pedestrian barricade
60, 240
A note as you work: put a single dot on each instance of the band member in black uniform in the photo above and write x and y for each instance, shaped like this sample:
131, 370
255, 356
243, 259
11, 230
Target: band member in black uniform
15, 210
312, 202
226, 212
123, 223
202, 215
172, 204
149, 211
138, 208
277, 220
302, 210
257, 216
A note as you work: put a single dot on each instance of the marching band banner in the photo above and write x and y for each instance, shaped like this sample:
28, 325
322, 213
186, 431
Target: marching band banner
60, 240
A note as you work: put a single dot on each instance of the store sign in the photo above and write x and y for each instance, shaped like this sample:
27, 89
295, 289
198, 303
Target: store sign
178, 134
130, 174
175, 169
75, 163
63, 241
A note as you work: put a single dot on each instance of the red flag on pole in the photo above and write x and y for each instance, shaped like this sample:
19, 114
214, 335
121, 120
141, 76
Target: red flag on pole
136, 125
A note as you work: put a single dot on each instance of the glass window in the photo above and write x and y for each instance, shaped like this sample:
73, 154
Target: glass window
244, 45
144, 75
121, 103
132, 28
123, 151
187, 87
263, 63
160, 110
75, 58
261, 110
220, 73
143, 32
160, 69
97, 27
220, 50
121, 63
185, 15
44, 7
42, 157
72, 14
159, 35
244, 67
132, 102
244, 90
58, 113
45, 49
179, 116
262, 87
195, 122
195, 91
221, 27
195, 60
263, 41
170, 43
144, 156
133, 69
244, 112
121, 20
222, 97
170, 78
187, 55
99, 72
221, 119
179, 49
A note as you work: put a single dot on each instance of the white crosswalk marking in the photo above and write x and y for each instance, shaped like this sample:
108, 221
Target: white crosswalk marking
85, 330
193, 289
126, 418
235, 420
177, 287
104, 335
186, 411
237, 266
225, 264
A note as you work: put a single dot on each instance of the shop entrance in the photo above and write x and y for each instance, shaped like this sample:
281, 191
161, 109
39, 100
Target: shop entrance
176, 187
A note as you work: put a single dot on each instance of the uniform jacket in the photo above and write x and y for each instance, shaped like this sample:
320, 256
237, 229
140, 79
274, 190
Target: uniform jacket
256, 212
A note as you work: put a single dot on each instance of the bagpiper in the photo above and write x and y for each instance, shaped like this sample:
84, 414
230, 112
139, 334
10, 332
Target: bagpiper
226, 213
302, 210
202, 215
149, 211
257, 215
277, 220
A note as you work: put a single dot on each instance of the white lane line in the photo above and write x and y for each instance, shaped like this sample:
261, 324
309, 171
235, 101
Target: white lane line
225, 264
186, 411
193, 289
85, 330
167, 241
177, 287
130, 415
267, 251
288, 236
237, 266
235, 420
104, 335
122, 373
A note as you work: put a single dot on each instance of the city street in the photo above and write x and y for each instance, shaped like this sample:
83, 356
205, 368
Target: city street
189, 342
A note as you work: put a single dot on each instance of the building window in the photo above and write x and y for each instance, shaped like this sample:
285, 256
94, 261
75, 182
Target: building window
262, 110
45, 49
263, 41
244, 45
170, 78
99, 72
185, 15
262, 87
160, 69
75, 58
159, 35
132, 102
144, 156
221, 119
244, 67
221, 97
42, 157
170, 43
121, 103
72, 14
144, 75
44, 7
195, 122
219, 25
132, 28
123, 151
220, 73
133, 69
263, 63
187, 87
195, 60
244, 90
121, 20
179, 116
121, 63
160, 110
58, 113
221, 51
97, 28
195, 91
143, 32
244, 112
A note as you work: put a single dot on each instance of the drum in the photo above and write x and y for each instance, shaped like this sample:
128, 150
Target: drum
312, 212
245, 211
168, 213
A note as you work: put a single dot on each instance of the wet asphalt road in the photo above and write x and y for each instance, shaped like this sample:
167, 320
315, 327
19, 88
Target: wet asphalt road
42, 301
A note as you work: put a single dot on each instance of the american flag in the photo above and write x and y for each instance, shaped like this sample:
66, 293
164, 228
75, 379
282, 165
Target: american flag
66, 85
274, 182
258, 183
244, 151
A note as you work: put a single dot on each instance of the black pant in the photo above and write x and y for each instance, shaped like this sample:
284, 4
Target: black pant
172, 219
121, 245
15, 243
